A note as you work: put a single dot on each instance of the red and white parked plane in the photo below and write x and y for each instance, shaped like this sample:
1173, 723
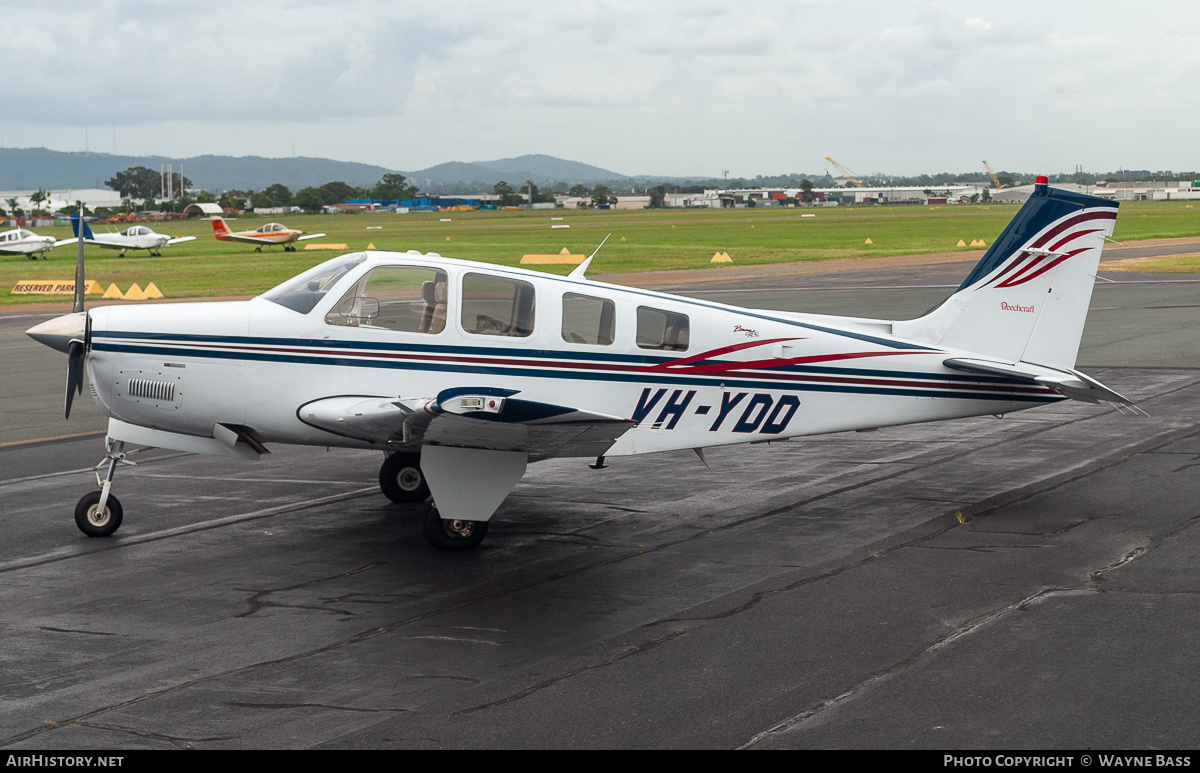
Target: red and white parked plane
462, 373
263, 236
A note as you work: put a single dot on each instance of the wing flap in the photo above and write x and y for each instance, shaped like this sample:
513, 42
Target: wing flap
468, 418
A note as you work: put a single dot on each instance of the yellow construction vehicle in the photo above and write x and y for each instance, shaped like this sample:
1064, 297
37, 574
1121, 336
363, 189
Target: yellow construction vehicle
845, 172
991, 174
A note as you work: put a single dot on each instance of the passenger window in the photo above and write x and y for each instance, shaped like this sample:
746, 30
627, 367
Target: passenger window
496, 306
588, 320
408, 299
658, 329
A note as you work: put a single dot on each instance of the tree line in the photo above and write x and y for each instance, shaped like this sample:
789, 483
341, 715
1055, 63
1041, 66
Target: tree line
142, 188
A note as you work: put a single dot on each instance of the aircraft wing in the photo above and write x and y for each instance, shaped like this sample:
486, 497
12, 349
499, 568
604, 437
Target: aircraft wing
65, 242
1068, 383
485, 417
181, 239
309, 236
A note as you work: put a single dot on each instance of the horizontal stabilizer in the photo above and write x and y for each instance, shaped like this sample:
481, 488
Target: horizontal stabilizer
1068, 383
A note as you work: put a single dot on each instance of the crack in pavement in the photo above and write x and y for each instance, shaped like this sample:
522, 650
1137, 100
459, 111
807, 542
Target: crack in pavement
629, 651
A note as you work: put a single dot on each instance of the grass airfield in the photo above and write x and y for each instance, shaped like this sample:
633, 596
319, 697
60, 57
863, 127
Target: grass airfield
642, 240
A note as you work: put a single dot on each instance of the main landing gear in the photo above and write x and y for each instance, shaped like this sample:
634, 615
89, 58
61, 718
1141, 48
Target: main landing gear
402, 481
99, 513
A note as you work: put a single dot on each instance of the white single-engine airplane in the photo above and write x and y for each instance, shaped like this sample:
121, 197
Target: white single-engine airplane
463, 372
135, 237
22, 241
263, 236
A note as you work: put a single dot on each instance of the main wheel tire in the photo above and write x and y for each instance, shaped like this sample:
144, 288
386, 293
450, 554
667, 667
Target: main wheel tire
446, 534
401, 479
93, 522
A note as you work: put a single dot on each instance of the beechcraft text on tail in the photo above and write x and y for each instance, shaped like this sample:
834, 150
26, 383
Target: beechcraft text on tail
263, 236
463, 373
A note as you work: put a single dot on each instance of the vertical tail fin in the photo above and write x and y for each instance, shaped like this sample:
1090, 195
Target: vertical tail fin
1027, 299
219, 227
87, 230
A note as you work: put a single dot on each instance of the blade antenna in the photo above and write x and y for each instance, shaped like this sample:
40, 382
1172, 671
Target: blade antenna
578, 273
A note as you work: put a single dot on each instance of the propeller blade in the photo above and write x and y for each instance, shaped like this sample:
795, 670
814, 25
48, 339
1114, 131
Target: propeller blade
74, 375
79, 289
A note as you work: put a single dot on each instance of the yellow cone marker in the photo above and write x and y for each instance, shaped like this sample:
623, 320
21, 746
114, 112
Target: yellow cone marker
961, 243
371, 246
135, 293
152, 291
622, 238
447, 238
721, 257
113, 292
982, 243
868, 241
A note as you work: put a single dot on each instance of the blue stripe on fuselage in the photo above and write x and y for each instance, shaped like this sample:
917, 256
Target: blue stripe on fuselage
534, 372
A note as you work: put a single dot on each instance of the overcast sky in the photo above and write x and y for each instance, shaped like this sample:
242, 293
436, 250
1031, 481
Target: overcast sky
658, 88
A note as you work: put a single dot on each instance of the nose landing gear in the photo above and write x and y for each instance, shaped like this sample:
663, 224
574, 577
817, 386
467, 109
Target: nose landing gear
99, 513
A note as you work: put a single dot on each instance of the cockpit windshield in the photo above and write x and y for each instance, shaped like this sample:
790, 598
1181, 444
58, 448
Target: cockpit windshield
303, 292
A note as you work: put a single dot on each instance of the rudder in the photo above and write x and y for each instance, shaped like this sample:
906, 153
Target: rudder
1027, 299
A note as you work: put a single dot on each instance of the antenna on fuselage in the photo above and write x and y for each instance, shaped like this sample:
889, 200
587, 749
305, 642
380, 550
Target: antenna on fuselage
582, 267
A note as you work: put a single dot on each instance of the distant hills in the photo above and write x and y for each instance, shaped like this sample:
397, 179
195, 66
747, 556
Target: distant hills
542, 169
32, 168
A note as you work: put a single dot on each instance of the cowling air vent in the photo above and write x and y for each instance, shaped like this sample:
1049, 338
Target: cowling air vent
151, 389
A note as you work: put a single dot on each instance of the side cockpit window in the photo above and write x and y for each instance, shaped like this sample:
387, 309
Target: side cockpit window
497, 306
407, 299
665, 330
588, 320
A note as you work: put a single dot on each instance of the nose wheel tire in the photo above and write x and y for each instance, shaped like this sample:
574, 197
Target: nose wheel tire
95, 522
401, 479
448, 534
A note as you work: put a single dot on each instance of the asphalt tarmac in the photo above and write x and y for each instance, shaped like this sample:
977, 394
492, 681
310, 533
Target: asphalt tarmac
1027, 582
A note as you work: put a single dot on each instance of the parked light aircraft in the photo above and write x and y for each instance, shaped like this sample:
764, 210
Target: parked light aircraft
135, 237
463, 372
263, 236
22, 241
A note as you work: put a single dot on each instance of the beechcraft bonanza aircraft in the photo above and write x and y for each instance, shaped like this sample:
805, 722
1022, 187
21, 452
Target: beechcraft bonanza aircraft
263, 236
22, 241
462, 373
135, 237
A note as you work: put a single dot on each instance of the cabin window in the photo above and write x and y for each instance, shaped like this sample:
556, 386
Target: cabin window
658, 329
588, 320
496, 306
408, 299
303, 292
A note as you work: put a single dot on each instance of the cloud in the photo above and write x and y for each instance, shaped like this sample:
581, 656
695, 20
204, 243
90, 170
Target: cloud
670, 87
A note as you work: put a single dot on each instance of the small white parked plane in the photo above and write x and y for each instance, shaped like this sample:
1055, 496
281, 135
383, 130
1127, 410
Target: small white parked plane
22, 241
463, 372
135, 237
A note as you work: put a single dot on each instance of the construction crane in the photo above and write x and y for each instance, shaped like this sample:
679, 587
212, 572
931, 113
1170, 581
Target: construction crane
991, 174
845, 172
